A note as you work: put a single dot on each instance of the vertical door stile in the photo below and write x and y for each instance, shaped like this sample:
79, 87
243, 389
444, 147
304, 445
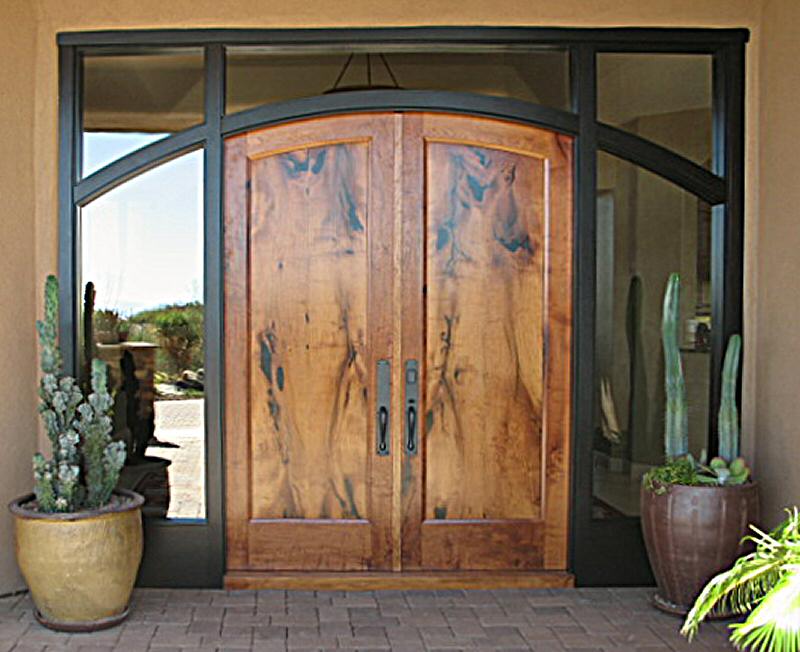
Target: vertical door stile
412, 309
379, 129
397, 330
235, 333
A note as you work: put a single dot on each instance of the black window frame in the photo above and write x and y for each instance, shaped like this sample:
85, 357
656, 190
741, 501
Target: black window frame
192, 553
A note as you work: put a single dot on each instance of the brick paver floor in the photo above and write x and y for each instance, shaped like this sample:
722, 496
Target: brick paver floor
583, 620
182, 423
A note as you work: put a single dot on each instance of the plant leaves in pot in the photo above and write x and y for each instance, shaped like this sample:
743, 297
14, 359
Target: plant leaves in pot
78, 541
694, 514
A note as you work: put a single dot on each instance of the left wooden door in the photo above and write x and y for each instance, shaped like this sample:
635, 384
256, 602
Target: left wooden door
308, 308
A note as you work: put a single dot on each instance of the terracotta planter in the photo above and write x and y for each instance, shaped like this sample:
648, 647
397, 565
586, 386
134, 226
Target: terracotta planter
80, 568
693, 533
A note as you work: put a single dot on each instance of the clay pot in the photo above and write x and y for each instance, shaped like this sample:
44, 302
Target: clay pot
693, 533
81, 567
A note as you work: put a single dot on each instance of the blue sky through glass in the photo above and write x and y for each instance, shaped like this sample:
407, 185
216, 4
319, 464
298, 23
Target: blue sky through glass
142, 243
102, 148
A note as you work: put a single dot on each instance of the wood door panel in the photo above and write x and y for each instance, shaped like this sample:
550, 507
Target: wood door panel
484, 231
310, 366
295, 544
463, 545
308, 316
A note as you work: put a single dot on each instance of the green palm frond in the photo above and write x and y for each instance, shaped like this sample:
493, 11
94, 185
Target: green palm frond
775, 623
767, 582
736, 590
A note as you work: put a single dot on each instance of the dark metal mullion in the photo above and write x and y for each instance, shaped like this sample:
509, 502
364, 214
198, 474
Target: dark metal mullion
631, 147
583, 363
213, 290
640, 39
78, 117
68, 223
662, 161
400, 100
137, 162
651, 156
183, 552
727, 248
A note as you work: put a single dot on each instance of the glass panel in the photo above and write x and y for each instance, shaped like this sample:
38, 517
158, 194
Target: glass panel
130, 101
665, 98
646, 229
255, 77
142, 251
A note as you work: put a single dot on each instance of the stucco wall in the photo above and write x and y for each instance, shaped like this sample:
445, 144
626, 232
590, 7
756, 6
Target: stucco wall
17, 271
770, 348
777, 385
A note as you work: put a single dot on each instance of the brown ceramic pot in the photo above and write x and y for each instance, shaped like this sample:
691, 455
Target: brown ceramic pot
693, 533
80, 567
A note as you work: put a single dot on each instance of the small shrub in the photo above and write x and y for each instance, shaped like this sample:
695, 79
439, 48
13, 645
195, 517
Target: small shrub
180, 334
678, 471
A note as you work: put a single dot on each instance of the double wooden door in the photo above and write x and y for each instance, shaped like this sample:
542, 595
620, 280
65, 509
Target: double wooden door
397, 340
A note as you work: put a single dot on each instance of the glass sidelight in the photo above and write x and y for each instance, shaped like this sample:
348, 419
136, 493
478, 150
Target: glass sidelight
143, 314
646, 229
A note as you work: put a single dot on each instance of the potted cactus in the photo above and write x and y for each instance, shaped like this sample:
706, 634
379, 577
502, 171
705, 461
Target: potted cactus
695, 513
78, 541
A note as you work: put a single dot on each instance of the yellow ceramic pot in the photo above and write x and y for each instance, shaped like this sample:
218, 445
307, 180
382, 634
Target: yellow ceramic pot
80, 568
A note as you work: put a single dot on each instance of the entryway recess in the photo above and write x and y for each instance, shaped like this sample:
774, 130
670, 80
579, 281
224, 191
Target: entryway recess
398, 311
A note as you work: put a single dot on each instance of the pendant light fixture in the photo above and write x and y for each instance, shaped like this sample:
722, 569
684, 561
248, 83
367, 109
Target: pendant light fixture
369, 86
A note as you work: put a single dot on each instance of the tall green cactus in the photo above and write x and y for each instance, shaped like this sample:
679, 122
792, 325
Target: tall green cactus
728, 422
676, 427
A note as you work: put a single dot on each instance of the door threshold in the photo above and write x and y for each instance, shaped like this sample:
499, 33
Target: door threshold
409, 580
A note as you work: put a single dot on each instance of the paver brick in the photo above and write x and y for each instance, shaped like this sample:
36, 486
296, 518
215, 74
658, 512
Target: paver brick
583, 620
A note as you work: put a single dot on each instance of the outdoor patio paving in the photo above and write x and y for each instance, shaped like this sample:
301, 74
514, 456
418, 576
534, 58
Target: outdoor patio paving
583, 620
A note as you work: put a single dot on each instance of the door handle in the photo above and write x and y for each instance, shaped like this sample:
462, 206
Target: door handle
412, 401
411, 427
383, 428
384, 397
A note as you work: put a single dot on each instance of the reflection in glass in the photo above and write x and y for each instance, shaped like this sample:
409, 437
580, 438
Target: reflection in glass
665, 98
130, 101
142, 269
646, 229
255, 77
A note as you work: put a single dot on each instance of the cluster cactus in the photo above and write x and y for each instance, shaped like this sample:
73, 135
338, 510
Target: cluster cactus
720, 471
726, 469
86, 463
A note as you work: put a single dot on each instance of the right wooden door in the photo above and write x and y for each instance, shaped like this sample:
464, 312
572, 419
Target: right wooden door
486, 310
